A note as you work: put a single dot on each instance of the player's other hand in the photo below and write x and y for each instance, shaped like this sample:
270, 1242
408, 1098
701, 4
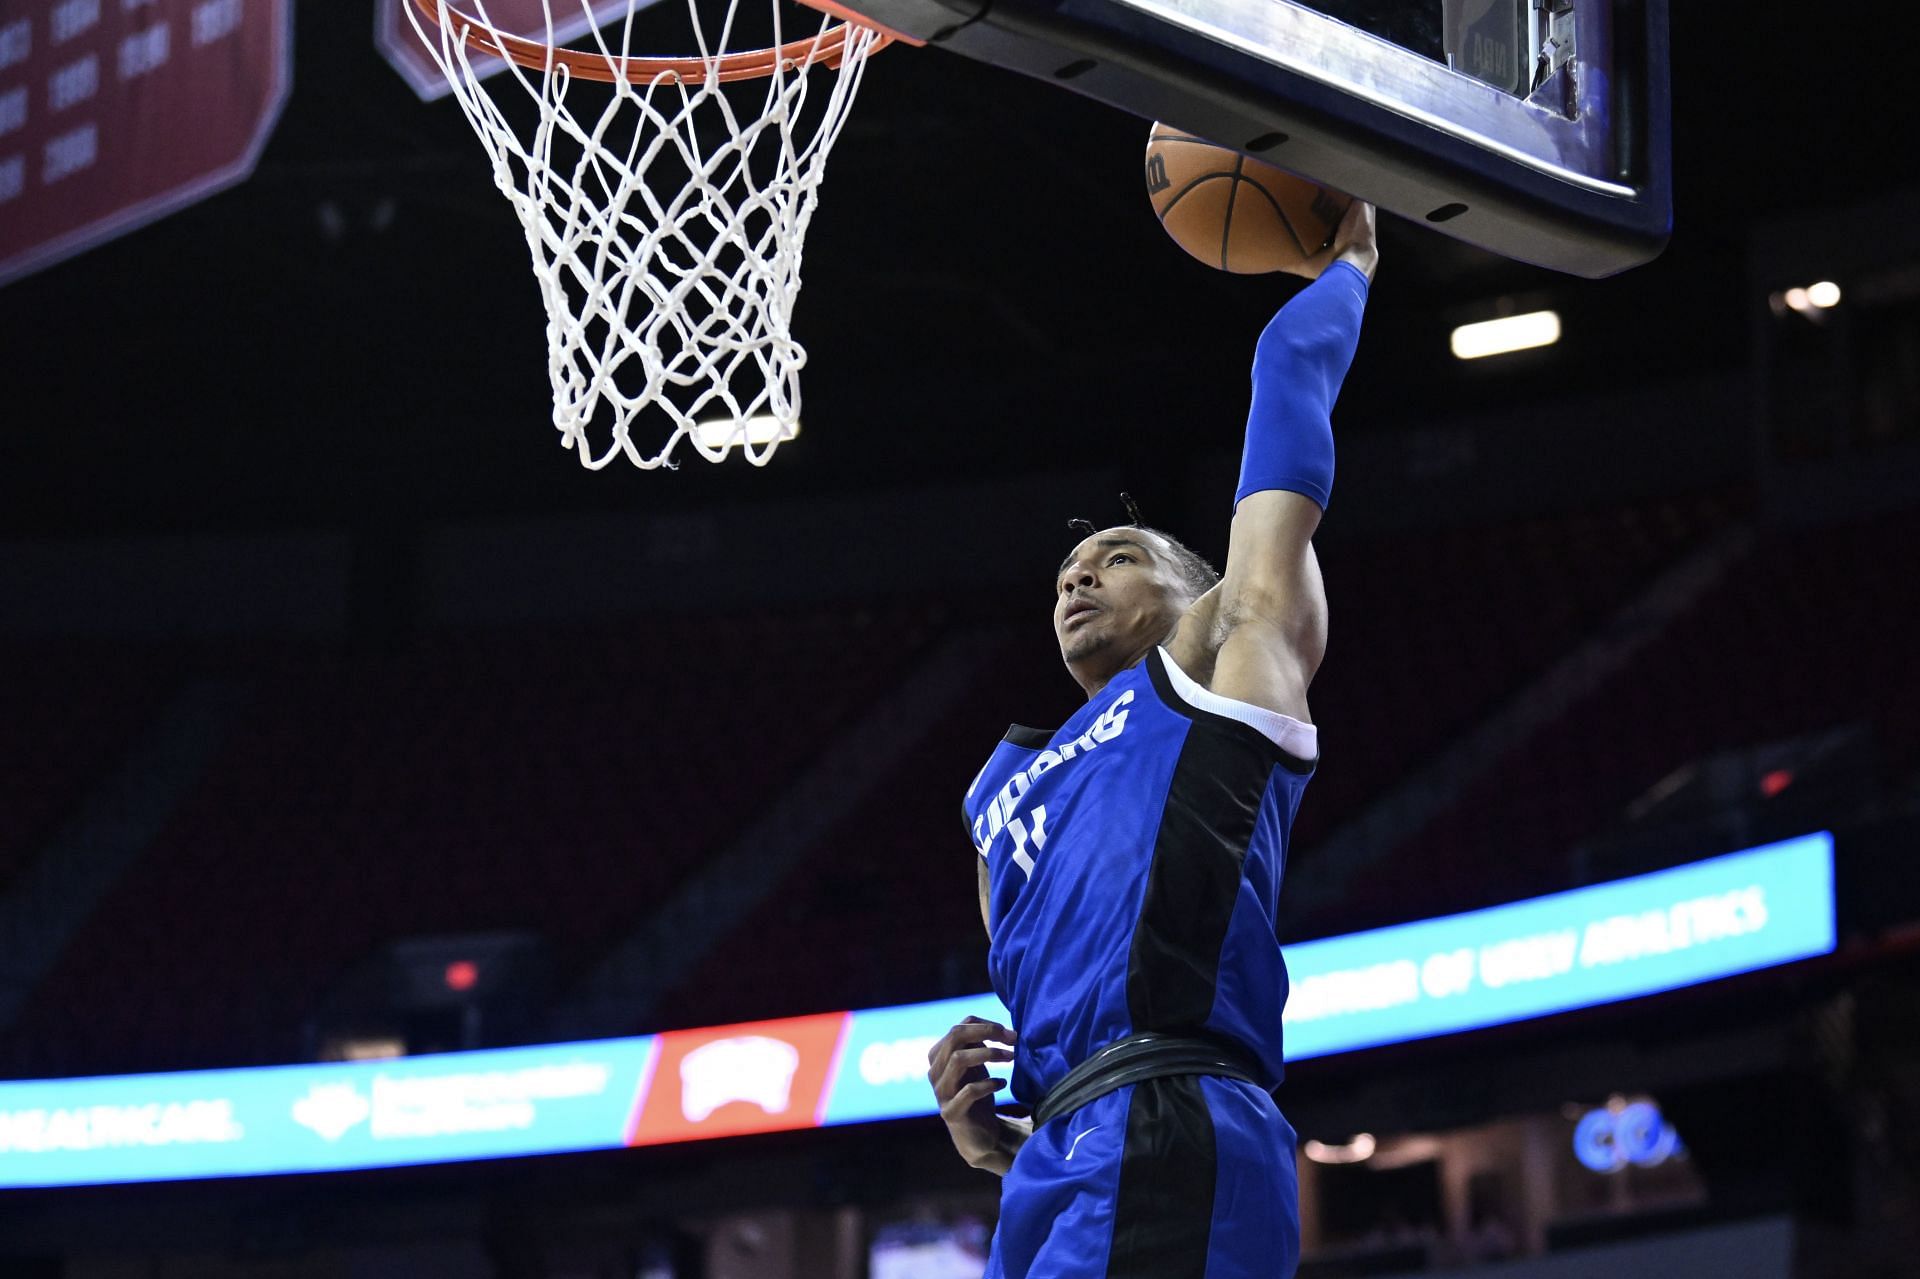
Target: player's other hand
956, 1067
1353, 241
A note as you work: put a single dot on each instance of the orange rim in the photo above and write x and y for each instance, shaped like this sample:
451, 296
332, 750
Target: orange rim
828, 47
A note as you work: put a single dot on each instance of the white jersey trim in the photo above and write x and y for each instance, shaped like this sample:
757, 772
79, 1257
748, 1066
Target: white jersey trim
1296, 737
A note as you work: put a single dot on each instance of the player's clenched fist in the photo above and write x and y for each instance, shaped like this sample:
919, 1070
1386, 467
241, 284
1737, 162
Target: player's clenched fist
957, 1069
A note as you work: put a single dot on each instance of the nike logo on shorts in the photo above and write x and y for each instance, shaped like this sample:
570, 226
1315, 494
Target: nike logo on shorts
1082, 1137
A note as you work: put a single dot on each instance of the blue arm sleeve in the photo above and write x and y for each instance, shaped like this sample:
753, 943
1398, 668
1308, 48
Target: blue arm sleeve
1298, 366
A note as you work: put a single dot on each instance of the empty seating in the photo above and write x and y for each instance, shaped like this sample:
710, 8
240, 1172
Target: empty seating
556, 782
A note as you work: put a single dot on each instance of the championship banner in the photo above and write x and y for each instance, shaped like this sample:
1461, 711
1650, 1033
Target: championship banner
116, 112
400, 43
1679, 927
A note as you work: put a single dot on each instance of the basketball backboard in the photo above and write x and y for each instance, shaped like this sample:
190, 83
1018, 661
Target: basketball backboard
1537, 129
401, 45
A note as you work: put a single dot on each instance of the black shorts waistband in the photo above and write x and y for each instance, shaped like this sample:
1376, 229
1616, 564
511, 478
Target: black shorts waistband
1148, 1055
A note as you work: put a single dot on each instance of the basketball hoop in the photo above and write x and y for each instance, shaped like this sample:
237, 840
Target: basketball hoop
665, 219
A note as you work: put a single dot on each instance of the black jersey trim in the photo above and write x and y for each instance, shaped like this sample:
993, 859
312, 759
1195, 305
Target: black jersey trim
1163, 686
1163, 1209
1033, 739
1199, 851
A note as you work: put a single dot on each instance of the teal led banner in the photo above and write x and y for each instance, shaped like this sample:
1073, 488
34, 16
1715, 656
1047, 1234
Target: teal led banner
1595, 945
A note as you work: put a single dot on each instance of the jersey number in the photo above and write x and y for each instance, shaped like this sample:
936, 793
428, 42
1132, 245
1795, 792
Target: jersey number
1030, 828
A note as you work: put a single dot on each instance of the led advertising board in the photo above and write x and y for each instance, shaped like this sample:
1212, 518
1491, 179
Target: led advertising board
1588, 946
1609, 942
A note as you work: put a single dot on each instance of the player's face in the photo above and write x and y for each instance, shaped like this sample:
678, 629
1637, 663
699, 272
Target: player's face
1119, 593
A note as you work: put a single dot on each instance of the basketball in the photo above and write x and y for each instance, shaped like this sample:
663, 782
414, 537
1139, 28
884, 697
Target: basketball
1235, 213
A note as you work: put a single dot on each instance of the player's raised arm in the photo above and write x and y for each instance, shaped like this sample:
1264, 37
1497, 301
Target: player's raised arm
986, 888
1272, 619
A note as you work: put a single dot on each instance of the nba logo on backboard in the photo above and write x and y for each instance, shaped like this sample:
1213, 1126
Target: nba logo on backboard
1485, 39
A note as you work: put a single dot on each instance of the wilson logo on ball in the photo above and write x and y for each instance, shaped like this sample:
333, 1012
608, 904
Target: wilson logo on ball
1157, 179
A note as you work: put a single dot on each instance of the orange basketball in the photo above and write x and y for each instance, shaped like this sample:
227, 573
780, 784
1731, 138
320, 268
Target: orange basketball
1236, 213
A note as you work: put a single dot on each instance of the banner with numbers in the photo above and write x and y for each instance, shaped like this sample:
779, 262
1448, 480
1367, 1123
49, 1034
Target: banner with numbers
116, 112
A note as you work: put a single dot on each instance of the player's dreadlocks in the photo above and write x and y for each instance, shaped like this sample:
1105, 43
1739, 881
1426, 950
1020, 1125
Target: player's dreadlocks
1198, 575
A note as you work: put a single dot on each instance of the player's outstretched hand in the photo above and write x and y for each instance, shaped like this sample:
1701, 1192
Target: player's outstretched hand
1353, 240
956, 1067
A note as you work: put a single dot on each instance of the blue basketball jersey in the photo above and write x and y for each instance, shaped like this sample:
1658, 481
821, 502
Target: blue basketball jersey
1134, 858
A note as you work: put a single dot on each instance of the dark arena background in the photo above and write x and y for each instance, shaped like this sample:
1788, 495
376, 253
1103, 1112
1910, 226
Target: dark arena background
346, 722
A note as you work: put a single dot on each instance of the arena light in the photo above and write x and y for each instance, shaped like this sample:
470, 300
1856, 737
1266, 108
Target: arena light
1359, 1150
727, 432
366, 1048
1509, 333
1610, 1137
1808, 302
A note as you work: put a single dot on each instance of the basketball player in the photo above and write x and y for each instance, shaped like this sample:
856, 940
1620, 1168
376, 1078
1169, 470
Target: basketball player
1130, 865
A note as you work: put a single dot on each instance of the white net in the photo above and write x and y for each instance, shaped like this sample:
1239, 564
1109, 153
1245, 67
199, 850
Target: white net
666, 219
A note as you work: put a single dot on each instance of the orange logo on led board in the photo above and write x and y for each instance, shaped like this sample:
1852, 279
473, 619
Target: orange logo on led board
762, 1076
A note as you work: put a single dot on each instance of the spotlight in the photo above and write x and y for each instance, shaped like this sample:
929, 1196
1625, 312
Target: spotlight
1808, 301
1509, 333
